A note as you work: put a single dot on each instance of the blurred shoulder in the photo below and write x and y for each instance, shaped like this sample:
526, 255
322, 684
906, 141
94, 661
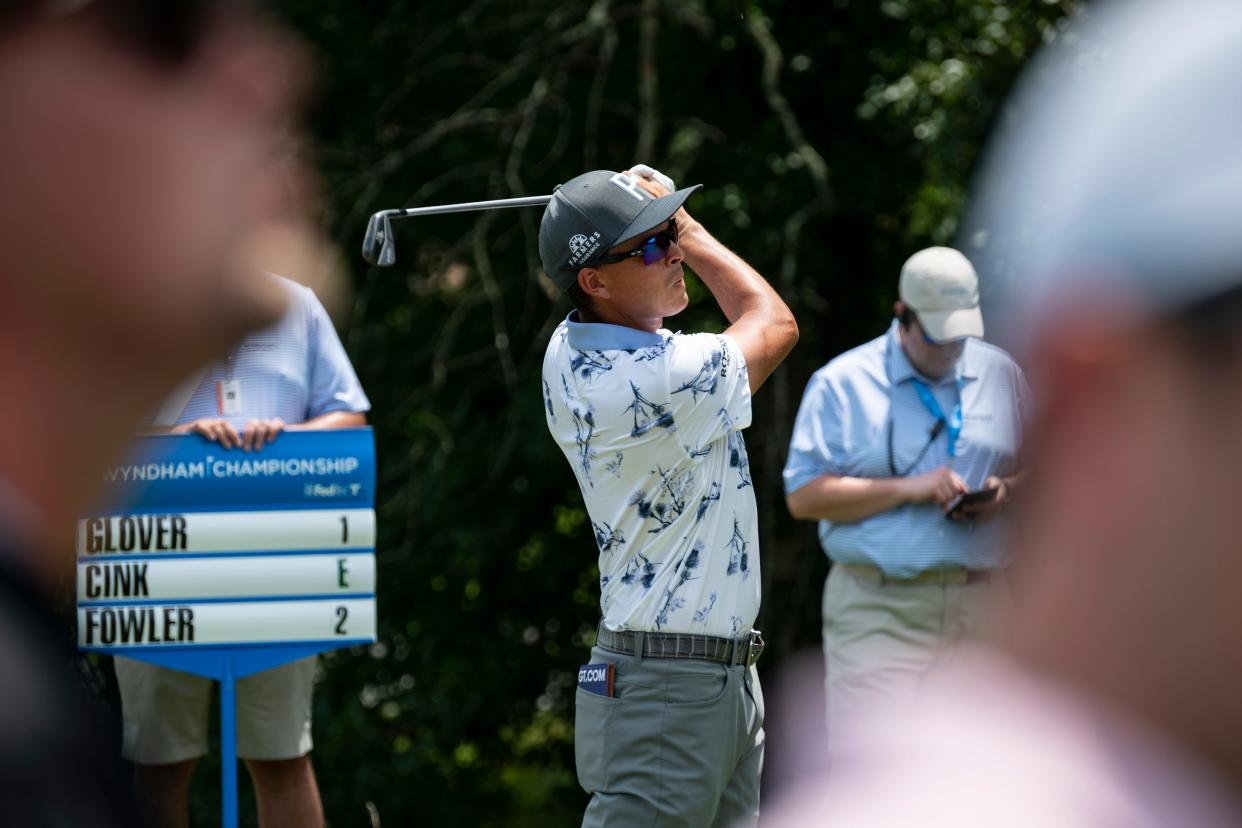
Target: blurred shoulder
990, 358
865, 361
300, 296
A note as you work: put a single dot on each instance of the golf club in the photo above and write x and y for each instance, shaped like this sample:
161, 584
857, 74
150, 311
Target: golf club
378, 247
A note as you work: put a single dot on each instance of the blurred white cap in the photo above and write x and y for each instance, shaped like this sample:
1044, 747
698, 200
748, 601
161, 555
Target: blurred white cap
940, 286
1116, 177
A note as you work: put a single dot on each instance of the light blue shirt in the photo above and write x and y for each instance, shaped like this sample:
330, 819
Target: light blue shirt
843, 429
295, 370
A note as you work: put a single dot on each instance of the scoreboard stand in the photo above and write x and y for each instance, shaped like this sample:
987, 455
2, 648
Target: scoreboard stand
224, 564
227, 665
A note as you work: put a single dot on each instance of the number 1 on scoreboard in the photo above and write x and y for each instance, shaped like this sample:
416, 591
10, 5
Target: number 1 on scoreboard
344, 529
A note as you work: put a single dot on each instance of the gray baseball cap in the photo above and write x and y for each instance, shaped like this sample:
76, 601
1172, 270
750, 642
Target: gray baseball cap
594, 212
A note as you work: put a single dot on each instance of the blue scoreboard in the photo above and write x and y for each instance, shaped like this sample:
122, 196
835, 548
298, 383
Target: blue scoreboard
224, 563
204, 547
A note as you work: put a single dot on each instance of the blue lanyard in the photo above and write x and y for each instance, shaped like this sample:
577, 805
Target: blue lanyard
953, 423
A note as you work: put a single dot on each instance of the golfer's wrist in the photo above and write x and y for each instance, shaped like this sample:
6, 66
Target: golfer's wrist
691, 235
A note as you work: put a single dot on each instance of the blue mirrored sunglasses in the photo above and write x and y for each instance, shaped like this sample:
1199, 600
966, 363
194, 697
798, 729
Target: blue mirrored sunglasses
653, 249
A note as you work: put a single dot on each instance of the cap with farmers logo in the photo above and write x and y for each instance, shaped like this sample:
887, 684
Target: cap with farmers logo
594, 212
939, 284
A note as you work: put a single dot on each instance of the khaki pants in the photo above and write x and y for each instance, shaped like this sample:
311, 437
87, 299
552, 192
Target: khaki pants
882, 638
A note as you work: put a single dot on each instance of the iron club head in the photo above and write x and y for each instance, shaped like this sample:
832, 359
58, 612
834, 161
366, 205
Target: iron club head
377, 244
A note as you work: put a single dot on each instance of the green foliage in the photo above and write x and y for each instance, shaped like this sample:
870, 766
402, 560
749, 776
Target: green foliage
835, 137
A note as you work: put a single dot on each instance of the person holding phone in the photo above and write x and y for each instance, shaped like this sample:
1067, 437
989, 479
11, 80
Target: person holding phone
905, 450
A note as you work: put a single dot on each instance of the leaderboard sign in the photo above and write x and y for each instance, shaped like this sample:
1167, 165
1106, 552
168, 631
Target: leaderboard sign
204, 548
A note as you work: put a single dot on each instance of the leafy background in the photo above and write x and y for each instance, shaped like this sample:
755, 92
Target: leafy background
834, 138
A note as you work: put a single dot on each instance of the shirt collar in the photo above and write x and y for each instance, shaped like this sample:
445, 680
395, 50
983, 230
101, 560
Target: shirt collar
600, 336
900, 369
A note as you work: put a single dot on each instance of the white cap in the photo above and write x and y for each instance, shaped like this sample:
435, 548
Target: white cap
939, 284
1114, 188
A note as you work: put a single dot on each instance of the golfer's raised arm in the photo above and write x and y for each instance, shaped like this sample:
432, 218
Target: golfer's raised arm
762, 323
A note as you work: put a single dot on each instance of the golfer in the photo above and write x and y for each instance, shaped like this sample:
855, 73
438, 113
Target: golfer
669, 721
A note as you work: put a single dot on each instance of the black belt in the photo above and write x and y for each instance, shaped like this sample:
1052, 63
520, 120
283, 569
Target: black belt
730, 651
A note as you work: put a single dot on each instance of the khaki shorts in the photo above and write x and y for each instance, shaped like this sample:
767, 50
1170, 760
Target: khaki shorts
165, 712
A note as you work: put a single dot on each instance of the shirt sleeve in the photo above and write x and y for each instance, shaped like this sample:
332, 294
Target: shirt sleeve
333, 384
709, 388
816, 446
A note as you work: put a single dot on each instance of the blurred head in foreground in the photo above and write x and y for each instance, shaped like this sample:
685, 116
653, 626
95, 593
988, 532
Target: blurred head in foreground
1110, 213
137, 159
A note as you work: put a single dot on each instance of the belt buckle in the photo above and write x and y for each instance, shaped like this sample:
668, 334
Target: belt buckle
754, 647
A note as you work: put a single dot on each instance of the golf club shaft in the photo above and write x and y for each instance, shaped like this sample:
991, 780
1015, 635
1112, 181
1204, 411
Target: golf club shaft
469, 206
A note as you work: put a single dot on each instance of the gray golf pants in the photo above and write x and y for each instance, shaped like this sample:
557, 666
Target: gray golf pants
679, 744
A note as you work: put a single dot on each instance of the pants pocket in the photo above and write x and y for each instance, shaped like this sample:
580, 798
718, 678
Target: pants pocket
699, 688
592, 716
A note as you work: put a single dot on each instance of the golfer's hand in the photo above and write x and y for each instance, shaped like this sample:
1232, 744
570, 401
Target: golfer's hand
939, 486
258, 433
654, 182
985, 511
658, 184
215, 429
652, 174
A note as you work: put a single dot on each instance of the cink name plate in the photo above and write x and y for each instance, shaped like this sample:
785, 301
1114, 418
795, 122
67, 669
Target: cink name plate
186, 579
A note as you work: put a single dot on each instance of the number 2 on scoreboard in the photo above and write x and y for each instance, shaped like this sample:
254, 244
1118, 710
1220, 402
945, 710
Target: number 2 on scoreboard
341, 614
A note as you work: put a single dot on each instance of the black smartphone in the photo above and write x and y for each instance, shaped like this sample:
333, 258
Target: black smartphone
977, 496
